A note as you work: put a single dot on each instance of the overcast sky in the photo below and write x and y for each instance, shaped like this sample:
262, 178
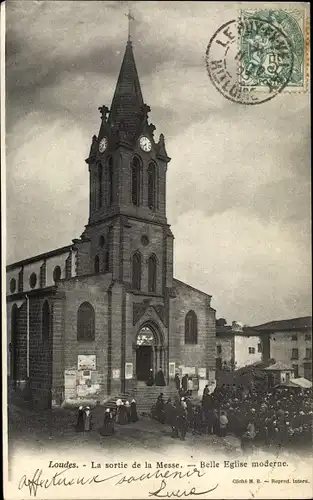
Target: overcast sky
238, 193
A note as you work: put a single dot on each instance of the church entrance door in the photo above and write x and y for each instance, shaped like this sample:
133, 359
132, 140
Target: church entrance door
143, 362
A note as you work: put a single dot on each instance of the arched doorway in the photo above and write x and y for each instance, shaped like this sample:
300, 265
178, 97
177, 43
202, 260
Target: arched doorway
149, 352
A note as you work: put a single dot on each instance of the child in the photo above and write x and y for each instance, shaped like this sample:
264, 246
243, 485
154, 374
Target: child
223, 424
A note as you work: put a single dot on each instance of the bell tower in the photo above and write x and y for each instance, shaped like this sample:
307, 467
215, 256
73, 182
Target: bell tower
127, 195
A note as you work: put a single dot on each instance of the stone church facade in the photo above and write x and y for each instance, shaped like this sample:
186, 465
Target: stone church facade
91, 319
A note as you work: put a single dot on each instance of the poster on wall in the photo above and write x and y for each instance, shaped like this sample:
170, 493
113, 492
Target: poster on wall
70, 383
189, 370
116, 374
171, 370
128, 371
202, 372
212, 375
86, 362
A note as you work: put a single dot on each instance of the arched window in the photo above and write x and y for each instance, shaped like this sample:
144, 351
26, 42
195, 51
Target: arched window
100, 179
191, 328
33, 280
152, 270
102, 241
12, 285
97, 264
135, 181
57, 273
45, 321
14, 337
136, 281
152, 186
85, 322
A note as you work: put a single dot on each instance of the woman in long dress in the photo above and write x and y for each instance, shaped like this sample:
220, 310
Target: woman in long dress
159, 378
133, 411
108, 424
128, 411
80, 420
117, 411
150, 380
87, 420
122, 415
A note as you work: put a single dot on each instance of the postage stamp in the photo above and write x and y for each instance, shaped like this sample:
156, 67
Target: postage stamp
262, 56
238, 60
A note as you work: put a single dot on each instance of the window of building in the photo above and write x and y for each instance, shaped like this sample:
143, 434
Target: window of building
100, 180
135, 181
152, 186
296, 370
45, 324
260, 347
97, 264
251, 350
102, 241
191, 328
295, 354
57, 273
294, 336
219, 349
308, 336
152, 271
12, 285
136, 276
86, 322
110, 181
32, 280
144, 240
308, 353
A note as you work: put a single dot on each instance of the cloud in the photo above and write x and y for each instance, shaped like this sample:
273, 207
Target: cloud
238, 184
254, 270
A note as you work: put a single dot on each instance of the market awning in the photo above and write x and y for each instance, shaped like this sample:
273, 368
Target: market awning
301, 382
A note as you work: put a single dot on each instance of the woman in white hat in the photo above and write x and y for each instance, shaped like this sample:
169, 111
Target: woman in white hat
87, 419
128, 411
133, 411
80, 420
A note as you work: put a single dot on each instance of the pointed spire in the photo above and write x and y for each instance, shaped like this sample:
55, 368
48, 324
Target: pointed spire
127, 103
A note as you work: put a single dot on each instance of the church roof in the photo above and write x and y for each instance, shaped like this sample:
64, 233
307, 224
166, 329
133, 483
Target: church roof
127, 108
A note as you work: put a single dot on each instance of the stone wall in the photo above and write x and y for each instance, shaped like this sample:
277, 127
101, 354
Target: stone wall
202, 355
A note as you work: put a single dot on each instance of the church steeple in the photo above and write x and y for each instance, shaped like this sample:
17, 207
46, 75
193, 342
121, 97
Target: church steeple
127, 109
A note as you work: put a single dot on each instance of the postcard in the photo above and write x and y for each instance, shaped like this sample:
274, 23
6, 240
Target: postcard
156, 234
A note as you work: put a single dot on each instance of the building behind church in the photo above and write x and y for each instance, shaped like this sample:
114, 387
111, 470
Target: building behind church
91, 319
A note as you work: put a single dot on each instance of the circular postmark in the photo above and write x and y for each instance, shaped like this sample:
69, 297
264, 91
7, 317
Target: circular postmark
249, 60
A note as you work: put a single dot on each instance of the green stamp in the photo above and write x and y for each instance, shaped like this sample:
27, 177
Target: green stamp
262, 53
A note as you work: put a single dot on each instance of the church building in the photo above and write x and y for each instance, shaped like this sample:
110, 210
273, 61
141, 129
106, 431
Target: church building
90, 320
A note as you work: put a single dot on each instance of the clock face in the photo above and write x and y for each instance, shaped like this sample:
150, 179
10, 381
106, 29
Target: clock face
103, 144
145, 144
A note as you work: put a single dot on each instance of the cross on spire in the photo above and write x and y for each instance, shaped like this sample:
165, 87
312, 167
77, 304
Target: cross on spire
130, 18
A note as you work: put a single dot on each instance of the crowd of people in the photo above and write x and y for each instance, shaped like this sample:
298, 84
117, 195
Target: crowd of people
277, 417
122, 414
